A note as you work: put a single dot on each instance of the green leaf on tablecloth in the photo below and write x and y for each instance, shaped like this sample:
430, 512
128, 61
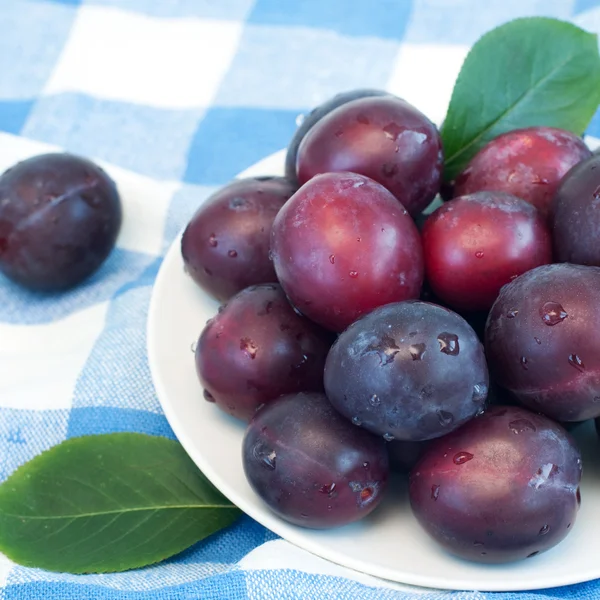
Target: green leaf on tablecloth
108, 503
528, 72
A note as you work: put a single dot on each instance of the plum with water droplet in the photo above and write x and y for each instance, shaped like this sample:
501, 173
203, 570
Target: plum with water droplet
503, 487
384, 138
527, 163
225, 246
343, 245
60, 215
475, 244
315, 115
542, 340
311, 466
576, 215
423, 363
258, 348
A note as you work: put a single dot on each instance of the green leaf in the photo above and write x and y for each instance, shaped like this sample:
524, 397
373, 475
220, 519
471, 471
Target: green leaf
108, 503
533, 71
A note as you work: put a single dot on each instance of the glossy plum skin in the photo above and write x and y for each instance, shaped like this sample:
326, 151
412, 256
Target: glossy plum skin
59, 219
383, 138
527, 163
256, 349
408, 371
576, 217
343, 245
311, 466
315, 115
542, 340
475, 244
225, 246
503, 487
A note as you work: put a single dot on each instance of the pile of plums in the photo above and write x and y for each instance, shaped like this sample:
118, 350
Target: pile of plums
354, 341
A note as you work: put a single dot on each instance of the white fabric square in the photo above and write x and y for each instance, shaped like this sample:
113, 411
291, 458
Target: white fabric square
174, 63
40, 364
424, 75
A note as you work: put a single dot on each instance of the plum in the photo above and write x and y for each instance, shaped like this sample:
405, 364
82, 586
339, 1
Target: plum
408, 371
343, 245
503, 487
60, 215
527, 163
576, 215
311, 466
384, 138
315, 115
475, 244
542, 340
256, 349
225, 246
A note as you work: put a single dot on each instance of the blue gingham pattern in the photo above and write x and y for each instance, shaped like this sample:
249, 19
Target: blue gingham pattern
175, 97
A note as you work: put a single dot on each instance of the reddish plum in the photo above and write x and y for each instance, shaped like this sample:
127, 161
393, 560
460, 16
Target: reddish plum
311, 466
384, 138
314, 116
256, 349
527, 163
408, 371
225, 246
503, 487
343, 245
475, 244
576, 214
59, 219
542, 340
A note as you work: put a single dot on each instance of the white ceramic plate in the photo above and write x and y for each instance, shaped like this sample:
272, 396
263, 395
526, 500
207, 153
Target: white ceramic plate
387, 544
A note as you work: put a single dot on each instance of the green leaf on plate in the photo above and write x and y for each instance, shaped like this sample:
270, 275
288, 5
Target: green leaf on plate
108, 503
532, 71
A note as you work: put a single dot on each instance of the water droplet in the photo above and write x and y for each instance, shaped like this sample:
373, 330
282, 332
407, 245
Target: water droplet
193, 347
533, 554
389, 170
435, 492
208, 396
232, 254
478, 544
374, 400
339, 133
479, 254
445, 418
268, 307
576, 362
299, 120
523, 361
385, 348
366, 465
356, 421
388, 437
553, 313
366, 494
569, 525
511, 314
448, 343
249, 347
358, 239
544, 530
304, 515
460, 458
521, 425
396, 149
362, 119
392, 131
270, 255
212, 240
353, 274
483, 553
578, 497
266, 456
513, 277
480, 391
538, 341
597, 193
332, 259
327, 489
237, 202
417, 351
542, 475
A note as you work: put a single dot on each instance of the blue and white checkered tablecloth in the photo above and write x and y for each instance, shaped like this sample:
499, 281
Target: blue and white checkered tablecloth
176, 97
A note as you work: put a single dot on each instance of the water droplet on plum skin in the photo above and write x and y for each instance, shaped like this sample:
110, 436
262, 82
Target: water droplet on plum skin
232, 254
327, 489
353, 274
249, 347
544, 530
521, 425
523, 362
417, 351
356, 421
448, 343
388, 437
552, 313
435, 492
575, 361
212, 241
460, 458
208, 396
511, 314
374, 400
479, 254
445, 418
